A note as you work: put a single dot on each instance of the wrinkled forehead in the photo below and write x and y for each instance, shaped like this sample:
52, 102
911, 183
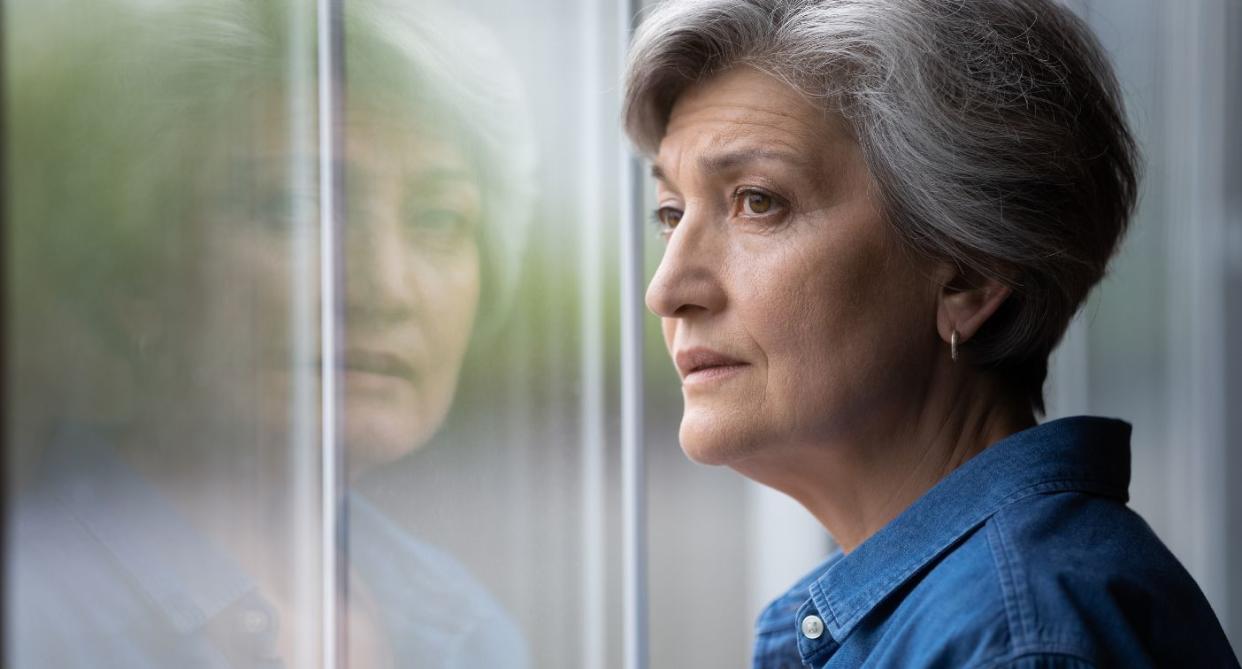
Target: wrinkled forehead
744, 116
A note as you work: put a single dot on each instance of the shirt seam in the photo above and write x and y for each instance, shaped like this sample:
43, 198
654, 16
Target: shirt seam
1004, 578
1020, 593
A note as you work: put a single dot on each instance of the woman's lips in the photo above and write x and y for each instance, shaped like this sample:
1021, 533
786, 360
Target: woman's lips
701, 365
711, 374
380, 363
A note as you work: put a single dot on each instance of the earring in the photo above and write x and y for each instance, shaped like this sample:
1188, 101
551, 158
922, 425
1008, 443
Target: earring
953, 345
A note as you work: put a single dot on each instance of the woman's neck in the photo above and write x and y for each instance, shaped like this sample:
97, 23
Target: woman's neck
856, 484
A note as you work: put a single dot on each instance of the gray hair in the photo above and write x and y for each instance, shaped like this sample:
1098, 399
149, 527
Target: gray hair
994, 130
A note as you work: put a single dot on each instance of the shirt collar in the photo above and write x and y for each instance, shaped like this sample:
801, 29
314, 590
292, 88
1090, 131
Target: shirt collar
186, 578
1083, 453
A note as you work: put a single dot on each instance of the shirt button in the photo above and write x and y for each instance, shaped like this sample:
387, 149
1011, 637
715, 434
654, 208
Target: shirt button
254, 621
812, 627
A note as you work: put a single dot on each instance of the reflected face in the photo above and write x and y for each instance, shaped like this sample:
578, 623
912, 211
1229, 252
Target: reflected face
790, 311
411, 286
411, 290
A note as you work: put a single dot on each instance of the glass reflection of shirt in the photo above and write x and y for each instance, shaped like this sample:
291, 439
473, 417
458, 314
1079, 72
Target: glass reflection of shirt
105, 574
1025, 556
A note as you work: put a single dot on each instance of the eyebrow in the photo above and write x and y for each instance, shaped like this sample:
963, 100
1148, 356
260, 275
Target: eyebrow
727, 160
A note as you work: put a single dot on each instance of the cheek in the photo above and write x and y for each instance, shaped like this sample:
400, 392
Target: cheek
797, 301
799, 318
835, 319
246, 289
450, 284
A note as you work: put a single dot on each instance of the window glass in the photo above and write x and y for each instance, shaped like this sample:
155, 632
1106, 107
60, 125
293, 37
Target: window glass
479, 236
163, 419
166, 308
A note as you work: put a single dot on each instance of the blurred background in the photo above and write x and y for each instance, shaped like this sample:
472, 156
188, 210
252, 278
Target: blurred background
189, 359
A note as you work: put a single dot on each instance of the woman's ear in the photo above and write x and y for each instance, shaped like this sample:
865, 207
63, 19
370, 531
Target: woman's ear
967, 300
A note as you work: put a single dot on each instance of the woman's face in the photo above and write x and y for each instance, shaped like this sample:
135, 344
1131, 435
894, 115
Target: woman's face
792, 313
411, 289
411, 285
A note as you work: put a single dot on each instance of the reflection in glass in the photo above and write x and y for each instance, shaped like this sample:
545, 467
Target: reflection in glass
437, 170
164, 504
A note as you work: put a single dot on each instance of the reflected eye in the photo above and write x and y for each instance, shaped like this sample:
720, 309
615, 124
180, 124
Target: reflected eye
443, 222
666, 218
440, 218
441, 230
757, 202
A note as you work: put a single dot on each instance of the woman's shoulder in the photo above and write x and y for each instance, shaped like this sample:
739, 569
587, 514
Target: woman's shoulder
1086, 575
437, 612
1066, 579
1065, 545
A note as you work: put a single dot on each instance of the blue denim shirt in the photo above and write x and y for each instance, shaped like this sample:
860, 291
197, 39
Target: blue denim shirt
1025, 556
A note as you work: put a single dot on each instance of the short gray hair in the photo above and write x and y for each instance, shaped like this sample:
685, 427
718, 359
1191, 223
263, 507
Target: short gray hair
994, 130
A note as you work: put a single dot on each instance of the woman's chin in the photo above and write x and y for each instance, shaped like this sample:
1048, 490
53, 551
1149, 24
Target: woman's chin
375, 438
711, 440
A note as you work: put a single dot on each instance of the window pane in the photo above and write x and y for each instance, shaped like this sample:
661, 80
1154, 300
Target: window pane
162, 227
480, 155
1151, 345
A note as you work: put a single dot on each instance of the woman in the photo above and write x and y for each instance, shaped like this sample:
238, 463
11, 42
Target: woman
880, 217
165, 224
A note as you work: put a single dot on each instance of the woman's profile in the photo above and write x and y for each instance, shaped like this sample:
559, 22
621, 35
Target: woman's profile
880, 217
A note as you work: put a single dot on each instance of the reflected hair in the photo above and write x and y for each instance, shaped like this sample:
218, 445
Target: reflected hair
993, 129
134, 131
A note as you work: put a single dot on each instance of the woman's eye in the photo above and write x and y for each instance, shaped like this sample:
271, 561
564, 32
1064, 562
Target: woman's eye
757, 203
439, 221
667, 218
279, 211
444, 227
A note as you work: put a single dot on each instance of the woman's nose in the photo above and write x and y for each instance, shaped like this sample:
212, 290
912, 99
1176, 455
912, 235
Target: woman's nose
688, 280
378, 272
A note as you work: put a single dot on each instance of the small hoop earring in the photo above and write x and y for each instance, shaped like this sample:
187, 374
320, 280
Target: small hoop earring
953, 345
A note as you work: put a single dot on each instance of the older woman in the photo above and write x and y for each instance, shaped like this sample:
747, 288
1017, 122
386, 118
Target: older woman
880, 217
